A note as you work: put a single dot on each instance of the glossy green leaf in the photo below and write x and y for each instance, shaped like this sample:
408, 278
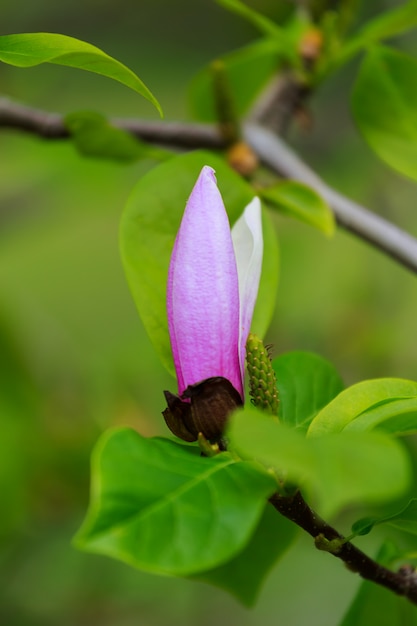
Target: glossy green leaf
29, 49
148, 229
383, 105
244, 575
352, 403
335, 470
247, 69
306, 382
374, 604
397, 417
301, 202
93, 136
161, 507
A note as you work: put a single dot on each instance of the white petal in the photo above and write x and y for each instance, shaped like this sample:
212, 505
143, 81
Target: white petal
248, 245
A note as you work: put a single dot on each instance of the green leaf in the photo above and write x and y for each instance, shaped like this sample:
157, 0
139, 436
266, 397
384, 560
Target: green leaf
93, 136
396, 417
405, 520
390, 23
301, 202
336, 470
306, 382
244, 575
159, 506
385, 25
374, 604
29, 49
364, 526
352, 403
248, 70
263, 23
383, 105
150, 223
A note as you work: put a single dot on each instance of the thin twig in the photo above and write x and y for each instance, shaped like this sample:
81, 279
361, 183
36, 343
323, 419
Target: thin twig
279, 157
271, 150
295, 508
52, 126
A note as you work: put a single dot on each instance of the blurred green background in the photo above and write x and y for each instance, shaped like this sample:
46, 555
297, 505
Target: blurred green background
74, 358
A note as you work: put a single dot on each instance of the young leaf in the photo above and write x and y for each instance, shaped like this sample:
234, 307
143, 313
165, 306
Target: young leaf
244, 575
383, 105
263, 23
337, 470
301, 202
376, 605
351, 403
93, 136
29, 49
383, 26
306, 382
248, 70
390, 23
364, 526
150, 223
162, 508
405, 520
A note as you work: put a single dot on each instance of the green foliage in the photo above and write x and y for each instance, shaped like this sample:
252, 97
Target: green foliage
263, 23
247, 69
244, 575
383, 104
370, 402
384, 25
377, 605
405, 520
336, 470
301, 202
150, 223
93, 136
390, 23
306, 383
159, 506
29, 49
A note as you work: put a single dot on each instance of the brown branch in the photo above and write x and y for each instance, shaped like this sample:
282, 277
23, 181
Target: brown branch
52, 126
270, 149
295, 508
384, 235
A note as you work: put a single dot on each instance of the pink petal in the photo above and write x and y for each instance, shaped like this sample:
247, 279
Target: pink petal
203, 292
248, 245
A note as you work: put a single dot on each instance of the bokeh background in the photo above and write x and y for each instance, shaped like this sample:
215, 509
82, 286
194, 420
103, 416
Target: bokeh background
74, 358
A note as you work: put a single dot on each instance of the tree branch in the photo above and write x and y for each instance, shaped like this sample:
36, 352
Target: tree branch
295, 508
279, 157
52, 126
271, 150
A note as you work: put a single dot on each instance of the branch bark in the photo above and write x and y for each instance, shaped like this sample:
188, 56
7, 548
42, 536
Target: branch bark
295, 508
384, 235
270, 149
